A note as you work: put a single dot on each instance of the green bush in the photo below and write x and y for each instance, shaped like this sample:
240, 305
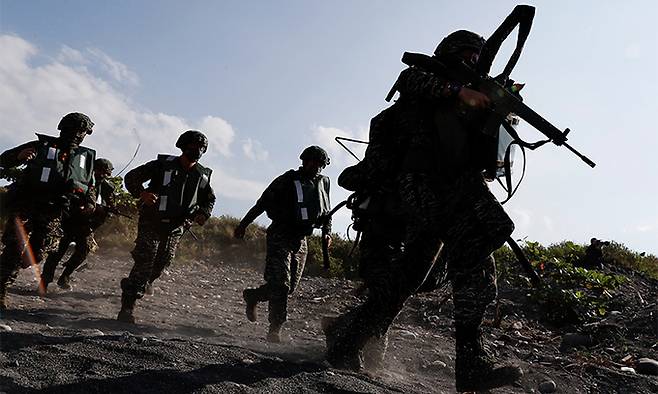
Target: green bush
568, 293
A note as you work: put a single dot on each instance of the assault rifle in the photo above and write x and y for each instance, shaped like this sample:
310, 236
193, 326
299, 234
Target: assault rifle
323, 222
115, 211
189, 221
503, 99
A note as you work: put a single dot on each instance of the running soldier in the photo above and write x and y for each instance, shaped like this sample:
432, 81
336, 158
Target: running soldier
444, 199
294, 201
58, 178
178, 195
79, 228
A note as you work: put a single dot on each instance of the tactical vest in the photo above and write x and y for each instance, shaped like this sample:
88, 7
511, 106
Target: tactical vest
311, 199
50, 171
177, 189
104, 188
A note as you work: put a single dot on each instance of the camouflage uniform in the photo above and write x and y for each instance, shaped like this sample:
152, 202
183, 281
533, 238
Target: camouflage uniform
286, 240
159, 231
39, 197
79, 228
445, 199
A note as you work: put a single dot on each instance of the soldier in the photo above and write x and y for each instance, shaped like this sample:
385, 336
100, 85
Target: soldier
444, 198
593, 258
79, 228
178, 195
294, 201
58, 177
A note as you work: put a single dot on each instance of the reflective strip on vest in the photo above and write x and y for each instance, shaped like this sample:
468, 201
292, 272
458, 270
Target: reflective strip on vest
300, 192
83, 160
304, 213
52, 153
167, 178
163, 203
45, 173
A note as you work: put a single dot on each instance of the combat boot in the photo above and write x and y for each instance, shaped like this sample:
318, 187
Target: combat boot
64, 282
337, 355
251, 304
474, 366
274, 333
126, 313
148, 289
3, 300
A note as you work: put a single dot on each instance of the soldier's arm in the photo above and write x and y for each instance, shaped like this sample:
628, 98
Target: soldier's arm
135, 178
416, 83
109, 194
267, 199
207, 201
9, 158
326, 226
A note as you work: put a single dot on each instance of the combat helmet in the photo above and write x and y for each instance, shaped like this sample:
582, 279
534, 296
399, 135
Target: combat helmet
192, 136
459, 40
314, 152
76, 121
103, 165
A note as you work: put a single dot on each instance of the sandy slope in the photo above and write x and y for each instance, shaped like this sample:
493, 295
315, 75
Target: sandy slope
192, 336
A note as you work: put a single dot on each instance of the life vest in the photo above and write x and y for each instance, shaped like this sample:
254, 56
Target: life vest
51, 171
311, 199
177, 189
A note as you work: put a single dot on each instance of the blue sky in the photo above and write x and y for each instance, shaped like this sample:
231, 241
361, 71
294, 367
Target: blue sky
265, 79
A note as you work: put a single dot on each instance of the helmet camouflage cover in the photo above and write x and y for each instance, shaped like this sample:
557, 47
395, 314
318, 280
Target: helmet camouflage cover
314, 152
459, 40
192, 136
76, 121
103, 165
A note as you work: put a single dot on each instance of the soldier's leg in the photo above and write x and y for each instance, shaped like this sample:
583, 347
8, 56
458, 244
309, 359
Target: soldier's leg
166, 253
480, 230
278, 280
352, 331
10, 259
164, 257
54, 257
146, 246
46, 232
84, 244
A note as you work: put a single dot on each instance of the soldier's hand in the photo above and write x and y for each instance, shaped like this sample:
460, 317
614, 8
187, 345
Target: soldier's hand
148, 198
328, 238
473, 98
200, 219
239, 231
27, 154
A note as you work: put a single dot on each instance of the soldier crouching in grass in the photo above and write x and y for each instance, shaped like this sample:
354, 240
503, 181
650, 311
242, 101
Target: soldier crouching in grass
294, 201
178, 195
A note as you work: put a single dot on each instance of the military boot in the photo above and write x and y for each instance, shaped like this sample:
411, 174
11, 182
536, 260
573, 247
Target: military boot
251, 304
474, 366
148, 289
64, 282
339, 355
126, 313
3, 300
274, 333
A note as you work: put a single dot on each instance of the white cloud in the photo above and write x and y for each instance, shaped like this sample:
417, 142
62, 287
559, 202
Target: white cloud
254, 150
34, 98
117, 70
633, 51
325, 137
